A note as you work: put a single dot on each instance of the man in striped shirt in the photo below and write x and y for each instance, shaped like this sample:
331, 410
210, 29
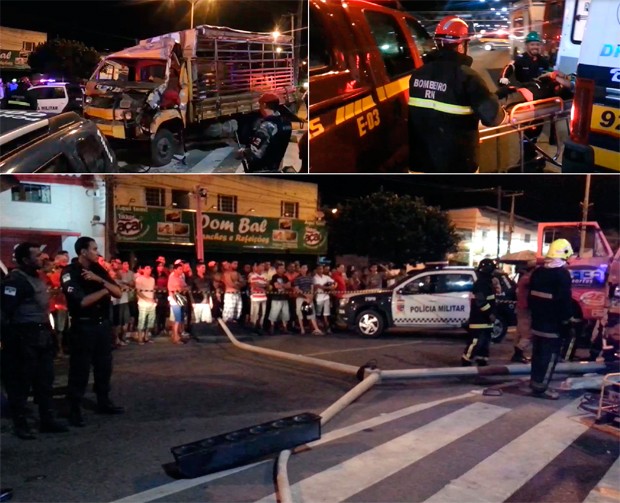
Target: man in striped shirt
258, 296
304, 292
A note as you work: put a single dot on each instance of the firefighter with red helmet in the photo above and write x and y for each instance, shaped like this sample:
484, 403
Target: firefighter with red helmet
447, 99
481, 316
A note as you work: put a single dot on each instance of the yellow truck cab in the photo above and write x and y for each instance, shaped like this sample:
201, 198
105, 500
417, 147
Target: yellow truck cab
361, 57
594, 143
214, 74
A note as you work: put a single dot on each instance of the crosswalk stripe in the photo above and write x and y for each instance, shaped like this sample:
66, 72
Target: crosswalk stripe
342, 481
608, 488
501, 474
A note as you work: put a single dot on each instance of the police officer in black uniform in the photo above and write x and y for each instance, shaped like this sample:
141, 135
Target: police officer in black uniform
88, 288
270, 139
481, 316
28, 343
550, 303
446, 100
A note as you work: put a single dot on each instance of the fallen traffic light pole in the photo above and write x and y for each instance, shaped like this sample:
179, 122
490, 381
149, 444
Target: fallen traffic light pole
369, 376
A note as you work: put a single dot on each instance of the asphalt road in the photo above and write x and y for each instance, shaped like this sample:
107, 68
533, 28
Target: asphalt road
431, 440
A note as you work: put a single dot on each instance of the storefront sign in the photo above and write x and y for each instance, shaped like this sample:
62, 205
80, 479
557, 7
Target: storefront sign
14, 59
153, 225
221, 232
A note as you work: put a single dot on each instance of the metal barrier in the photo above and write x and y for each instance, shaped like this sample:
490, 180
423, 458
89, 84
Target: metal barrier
525, 116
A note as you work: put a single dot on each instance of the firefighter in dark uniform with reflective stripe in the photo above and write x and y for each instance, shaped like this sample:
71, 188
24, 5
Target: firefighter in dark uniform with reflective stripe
481, 316
551, 305
88, 288
27, 343
446, 100
270, 139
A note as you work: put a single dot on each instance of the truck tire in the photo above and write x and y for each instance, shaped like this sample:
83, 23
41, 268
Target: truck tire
500, 328
163, 147
369, 323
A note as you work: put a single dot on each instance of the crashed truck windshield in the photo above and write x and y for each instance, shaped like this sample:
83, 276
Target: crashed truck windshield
129, 71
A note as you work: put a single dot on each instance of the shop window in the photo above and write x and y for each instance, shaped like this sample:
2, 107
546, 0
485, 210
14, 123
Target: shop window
32, 193
289, 209
180, 199
226, 204
155, 196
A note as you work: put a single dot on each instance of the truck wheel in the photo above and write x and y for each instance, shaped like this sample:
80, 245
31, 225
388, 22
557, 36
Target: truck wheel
488, 47
500, 328
369, 323
163, 147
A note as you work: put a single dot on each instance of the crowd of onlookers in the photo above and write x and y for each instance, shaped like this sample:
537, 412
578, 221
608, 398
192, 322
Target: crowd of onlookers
166, 299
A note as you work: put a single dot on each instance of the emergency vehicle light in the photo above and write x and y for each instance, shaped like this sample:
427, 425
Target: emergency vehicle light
581, 112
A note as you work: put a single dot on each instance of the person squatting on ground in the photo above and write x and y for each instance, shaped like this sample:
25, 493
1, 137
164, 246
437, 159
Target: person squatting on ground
550, 304
523, 341
447, 98
481, 316
270, 139
304, 292
200, 293
280, 287
233, 304
145, 291
27, 343
88, 289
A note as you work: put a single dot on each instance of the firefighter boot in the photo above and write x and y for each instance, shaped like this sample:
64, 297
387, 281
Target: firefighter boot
50, 425
22, 429
519, 357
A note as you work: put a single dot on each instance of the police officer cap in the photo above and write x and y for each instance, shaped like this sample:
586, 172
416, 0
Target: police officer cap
269, 98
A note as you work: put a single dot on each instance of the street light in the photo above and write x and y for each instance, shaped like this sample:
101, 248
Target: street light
191, 16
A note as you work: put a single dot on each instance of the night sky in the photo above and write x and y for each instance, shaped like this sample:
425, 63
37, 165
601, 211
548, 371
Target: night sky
116, 24
551, 197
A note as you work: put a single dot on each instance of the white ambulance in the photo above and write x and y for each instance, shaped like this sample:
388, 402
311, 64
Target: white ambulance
594, 143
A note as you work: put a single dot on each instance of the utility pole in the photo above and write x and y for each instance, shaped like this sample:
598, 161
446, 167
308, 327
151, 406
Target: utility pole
511, 221
585, 207
499, 217
110, 221
199, 195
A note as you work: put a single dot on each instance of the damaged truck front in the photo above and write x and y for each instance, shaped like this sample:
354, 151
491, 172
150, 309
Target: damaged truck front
203, 82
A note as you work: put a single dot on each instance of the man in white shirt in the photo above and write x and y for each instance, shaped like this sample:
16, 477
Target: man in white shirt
258, 296
323, 284
145, 291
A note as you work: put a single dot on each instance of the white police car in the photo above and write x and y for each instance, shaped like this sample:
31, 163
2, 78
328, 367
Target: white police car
428, 299
58, 97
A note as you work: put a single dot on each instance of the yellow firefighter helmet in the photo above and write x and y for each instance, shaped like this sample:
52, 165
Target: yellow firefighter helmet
560, 248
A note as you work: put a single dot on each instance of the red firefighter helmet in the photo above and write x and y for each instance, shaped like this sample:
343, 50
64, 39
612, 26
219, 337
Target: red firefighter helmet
452, 30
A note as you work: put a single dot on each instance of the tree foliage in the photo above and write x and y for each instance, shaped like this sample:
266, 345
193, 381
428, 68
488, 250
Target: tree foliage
390, 227
69, 59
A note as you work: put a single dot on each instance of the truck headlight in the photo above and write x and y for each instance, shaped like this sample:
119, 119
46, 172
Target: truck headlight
128, 115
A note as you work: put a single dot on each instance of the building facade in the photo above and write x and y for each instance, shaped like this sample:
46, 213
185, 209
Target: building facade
239, 215
478, 229
16, 45
52, 211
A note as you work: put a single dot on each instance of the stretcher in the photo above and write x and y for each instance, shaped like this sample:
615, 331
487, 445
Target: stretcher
525, 116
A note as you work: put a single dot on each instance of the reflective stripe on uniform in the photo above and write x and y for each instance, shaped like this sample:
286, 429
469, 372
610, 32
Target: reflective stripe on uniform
480, 325
486, 307
542, 295
441, 107
491, 297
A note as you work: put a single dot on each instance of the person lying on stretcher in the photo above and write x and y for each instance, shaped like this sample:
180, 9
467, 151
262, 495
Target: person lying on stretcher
548, 85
